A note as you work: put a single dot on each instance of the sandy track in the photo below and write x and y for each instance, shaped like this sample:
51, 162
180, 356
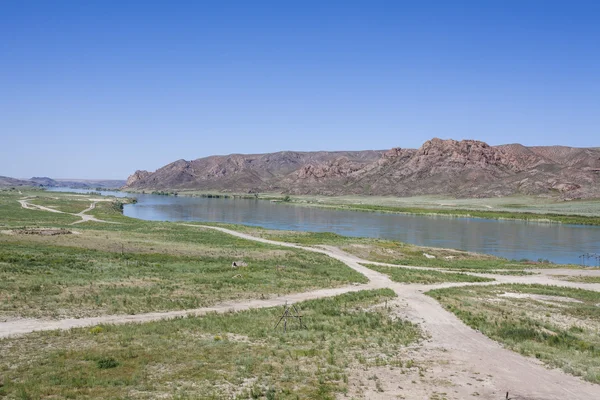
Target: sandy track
466, 364
454, 345
23, 326
84, 217
30, 206
463, 348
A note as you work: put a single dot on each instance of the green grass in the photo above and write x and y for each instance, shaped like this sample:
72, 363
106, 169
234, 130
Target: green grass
470, 265
406, 275
59, 281
582, 278
562, 334
65, 204
13, 215
141, 266
233, 355
521, 215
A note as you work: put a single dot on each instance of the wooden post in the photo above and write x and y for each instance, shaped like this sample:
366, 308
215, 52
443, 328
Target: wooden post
287, 314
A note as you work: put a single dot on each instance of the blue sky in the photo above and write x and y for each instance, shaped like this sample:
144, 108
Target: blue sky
98, 89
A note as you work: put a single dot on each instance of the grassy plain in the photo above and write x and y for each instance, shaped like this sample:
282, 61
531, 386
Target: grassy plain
579, 278
406, 275
237, 355
135, 266
557, 325
71, 204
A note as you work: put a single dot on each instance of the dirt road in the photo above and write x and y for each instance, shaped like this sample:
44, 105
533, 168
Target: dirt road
84, 217
459, 351
23, 326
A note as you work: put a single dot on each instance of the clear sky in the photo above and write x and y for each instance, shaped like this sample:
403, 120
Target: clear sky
98, 89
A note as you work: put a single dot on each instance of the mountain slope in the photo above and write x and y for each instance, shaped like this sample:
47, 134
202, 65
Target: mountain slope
466, 168
71, 183
6, 181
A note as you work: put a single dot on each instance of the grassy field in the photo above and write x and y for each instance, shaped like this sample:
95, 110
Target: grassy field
405, 275
138, 266
61, 281
237, 355
554, 324
582, 279
71, 204
12, 214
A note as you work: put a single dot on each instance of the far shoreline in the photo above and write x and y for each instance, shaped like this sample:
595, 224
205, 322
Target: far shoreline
420, 205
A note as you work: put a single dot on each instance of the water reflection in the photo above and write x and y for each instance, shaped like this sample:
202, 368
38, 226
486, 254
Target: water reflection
510, 239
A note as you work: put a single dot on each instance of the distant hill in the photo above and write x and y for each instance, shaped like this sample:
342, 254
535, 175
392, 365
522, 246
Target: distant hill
44, 181
91, 183
72, 183
467, 168
5, 181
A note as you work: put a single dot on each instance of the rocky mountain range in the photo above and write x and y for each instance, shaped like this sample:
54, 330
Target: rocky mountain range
467, 168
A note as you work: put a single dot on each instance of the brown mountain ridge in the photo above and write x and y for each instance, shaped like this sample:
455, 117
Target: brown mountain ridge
467, 168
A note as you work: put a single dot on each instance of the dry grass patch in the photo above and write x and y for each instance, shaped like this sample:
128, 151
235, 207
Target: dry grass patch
60, 281
554, 324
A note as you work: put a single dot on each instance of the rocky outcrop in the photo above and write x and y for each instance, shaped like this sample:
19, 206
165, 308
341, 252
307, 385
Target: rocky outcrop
137, 176
467, 168
249, 173
333, 169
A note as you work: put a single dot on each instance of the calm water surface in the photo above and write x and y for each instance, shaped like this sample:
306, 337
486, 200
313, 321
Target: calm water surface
511, 239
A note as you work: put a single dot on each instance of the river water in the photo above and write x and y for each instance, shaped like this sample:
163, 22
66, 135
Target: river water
510, 239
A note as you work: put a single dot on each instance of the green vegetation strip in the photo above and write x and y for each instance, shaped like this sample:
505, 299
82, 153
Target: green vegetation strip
67, 205
471, 265
579, 278
406, 275
526, 216
555, 324
12, 214
234, 355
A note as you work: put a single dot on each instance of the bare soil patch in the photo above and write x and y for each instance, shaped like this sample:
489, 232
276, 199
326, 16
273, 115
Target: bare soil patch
40, 231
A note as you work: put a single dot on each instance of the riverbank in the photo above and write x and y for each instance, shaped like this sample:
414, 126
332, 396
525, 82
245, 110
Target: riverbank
458, 213
524, 208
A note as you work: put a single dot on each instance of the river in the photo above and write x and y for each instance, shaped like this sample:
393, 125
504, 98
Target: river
517, 240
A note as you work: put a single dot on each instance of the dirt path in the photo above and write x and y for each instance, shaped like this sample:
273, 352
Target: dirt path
460, 352
463, 362
30, 206
23, 326
84, 217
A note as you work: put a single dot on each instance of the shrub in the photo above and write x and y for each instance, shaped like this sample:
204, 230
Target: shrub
96, 330
107, 362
